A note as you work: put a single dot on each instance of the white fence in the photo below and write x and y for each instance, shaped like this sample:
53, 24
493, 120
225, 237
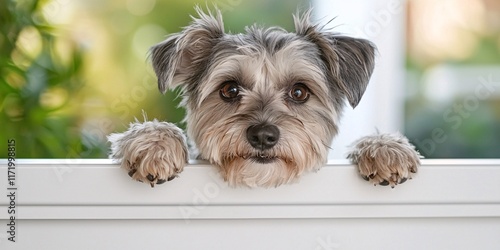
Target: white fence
92, 204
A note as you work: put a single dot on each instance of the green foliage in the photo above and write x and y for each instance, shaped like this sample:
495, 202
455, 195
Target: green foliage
38, 87
442, 132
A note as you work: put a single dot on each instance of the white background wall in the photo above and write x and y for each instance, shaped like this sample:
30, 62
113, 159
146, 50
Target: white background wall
382, 22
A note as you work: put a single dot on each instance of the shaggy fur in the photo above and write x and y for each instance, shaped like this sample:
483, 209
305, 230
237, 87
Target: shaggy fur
262, 106
145, 148
385, 159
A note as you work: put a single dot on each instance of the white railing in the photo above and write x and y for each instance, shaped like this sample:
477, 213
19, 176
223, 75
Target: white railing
93, 204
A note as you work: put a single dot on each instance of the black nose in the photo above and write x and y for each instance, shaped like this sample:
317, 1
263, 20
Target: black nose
263, 136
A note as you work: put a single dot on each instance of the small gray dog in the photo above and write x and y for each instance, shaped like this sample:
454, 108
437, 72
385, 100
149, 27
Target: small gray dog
263, 106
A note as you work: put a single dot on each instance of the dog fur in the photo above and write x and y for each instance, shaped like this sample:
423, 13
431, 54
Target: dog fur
262, 106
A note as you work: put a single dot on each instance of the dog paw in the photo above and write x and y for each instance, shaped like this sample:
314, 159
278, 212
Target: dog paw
151, 152
385, 159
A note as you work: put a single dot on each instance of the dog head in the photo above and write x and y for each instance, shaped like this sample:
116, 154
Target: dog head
264, 105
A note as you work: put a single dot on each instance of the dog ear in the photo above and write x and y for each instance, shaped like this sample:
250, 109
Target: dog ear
349, 60
176, 58
352, 60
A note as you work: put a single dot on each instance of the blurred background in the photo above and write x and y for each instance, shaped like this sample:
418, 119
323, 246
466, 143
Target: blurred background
73, 71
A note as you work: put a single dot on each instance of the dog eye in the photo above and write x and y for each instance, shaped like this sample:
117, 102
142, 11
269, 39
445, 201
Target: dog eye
229, 91
299, 93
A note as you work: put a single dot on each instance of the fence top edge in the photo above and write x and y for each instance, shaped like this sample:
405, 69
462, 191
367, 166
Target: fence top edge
331, 163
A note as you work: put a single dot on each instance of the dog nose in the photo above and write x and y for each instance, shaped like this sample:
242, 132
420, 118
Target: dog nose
263, 136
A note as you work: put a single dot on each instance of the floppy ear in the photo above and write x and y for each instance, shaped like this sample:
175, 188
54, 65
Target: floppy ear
349, 60
356, 60
175, 59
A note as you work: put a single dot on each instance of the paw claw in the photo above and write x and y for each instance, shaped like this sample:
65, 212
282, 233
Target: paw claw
132, 172
160, 181
384, 183
171, 177
150, 177
403, 180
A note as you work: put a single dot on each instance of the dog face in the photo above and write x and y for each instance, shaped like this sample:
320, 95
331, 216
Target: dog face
265, 105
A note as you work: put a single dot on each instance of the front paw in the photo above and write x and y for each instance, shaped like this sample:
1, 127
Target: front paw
151, 152
385, 159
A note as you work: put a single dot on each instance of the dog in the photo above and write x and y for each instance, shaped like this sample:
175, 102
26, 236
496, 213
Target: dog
262, 106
